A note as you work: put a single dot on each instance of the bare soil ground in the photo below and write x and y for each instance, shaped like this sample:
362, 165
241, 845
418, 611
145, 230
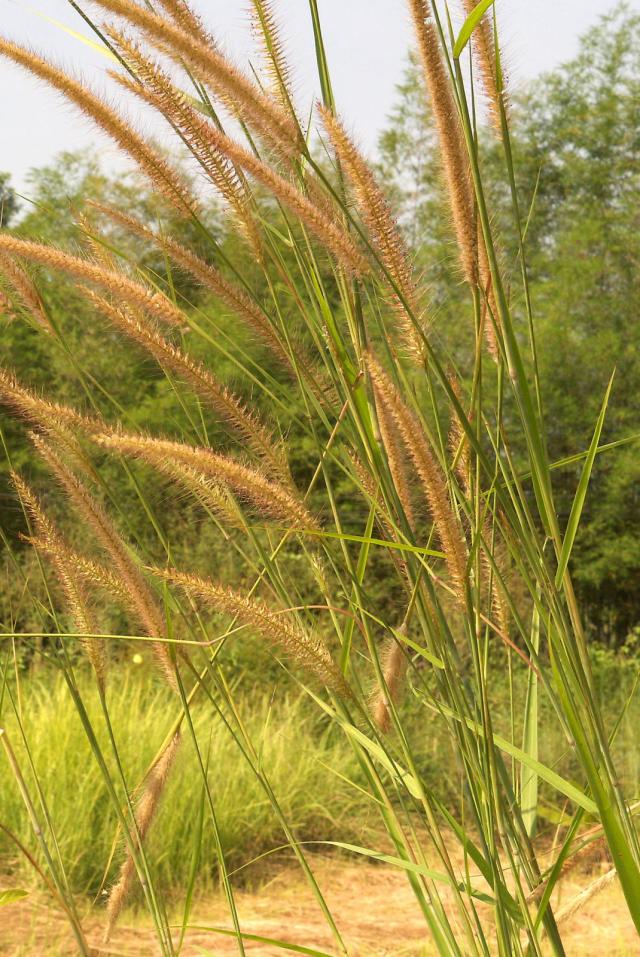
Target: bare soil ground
373, 907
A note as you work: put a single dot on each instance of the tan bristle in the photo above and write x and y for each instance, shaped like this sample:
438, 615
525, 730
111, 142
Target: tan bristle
429, 472
94, 574
377, 215
141, 601
398, 459
211, 495
267, 31
394, 668
98, 251
239, 93
167, 179
483, 48
7, 310
187, 20
231, 295
24, 288
455, 162
155, 87
275, 628
227, 405
330, 233
145, 812
41, 412
72, 585
120, 285
270, 498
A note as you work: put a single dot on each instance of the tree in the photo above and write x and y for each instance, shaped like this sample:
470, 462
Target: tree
8, 200
576, 143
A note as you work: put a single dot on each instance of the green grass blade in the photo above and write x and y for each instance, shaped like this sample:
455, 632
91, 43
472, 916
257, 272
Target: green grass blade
581, 492
528, 775
469, 26
257, 939
12, 895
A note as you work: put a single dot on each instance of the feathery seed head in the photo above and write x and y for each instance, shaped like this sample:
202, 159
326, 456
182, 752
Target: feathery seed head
266, 29
156, 88
140, 599
166, 178
144, 815
331, 234
46, 415
386, 236
227, 405
24, 288
394, 669
455, 161
50, 541
428, 470
187, 19
275, 628
482, 44
118, 284
270, 498
238, 92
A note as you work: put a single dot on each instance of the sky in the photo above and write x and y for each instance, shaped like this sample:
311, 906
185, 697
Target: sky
367, 43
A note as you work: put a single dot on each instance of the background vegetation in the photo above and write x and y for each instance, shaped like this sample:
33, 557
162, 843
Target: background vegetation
576, 149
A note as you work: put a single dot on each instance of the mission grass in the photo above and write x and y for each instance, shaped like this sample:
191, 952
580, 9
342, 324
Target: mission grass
497, 599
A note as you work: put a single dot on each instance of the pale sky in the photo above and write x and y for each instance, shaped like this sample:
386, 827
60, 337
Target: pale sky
367, 43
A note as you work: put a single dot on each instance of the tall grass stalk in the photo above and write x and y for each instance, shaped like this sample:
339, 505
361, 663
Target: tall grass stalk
412, 471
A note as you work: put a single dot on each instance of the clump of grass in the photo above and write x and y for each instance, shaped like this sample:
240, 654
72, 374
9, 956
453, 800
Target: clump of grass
319, 805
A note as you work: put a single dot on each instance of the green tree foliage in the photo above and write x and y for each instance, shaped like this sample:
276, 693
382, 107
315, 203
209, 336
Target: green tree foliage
576, 142
8, 200
122, 379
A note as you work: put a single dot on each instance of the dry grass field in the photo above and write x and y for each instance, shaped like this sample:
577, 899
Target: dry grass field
373, 905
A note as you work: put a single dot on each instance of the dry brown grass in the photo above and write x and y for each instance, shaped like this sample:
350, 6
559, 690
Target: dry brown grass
373, 906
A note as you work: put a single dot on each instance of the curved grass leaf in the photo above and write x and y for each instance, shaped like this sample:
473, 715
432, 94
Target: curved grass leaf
12, 895
581, 492
469, 26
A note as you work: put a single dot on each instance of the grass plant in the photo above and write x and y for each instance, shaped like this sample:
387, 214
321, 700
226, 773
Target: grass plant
413, 469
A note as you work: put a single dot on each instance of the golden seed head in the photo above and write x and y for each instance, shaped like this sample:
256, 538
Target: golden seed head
429, 472
394, 668
50, 541
46, 415
123, 288
388, 240
272, 499
453, 153
145, 813
266, 28
275, 627
24, 288
240, 93
166, 178
140, 598
482, 44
